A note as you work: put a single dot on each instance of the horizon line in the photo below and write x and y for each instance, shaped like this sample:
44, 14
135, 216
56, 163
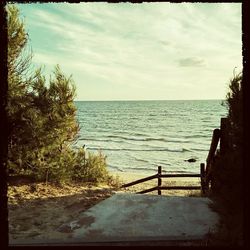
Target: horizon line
122, 100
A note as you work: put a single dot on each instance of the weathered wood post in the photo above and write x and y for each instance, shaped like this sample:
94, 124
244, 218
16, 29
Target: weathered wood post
202, 169
159, 180
213, 146
210, 157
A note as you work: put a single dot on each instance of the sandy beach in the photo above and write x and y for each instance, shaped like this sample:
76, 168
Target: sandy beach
36, 211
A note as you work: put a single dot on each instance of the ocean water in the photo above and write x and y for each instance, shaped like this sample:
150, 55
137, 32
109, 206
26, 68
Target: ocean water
138, 136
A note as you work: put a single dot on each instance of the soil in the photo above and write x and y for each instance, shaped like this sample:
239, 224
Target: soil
37, 210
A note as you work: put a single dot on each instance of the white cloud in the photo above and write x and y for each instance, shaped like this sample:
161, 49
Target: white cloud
127, 48
191, 62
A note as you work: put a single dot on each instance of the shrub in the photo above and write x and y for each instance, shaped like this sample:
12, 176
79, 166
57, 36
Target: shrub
89, 167
42, 118
227, 172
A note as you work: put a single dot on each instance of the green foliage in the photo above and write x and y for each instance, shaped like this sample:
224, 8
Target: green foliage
228, 167
227, 172
235, 111
90, 167
42, 118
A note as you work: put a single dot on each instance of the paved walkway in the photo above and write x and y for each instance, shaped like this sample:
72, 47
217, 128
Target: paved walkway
137, 219
133, 217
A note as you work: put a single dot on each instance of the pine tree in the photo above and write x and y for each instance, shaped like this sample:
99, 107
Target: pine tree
228, 171
42, 118
234, 100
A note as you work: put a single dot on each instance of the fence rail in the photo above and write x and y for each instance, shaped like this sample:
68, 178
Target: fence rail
159, 176
140, 181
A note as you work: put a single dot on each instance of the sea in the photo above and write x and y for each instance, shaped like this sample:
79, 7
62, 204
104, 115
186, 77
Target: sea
139, 136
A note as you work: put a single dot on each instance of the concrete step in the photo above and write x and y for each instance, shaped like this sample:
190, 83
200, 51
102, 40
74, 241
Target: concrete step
139, 219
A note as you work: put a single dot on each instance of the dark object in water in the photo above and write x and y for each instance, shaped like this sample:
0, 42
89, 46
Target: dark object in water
191, 160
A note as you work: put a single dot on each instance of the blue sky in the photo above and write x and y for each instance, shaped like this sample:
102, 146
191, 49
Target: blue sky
148, 51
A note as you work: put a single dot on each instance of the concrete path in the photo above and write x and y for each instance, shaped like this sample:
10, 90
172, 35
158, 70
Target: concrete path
135, 217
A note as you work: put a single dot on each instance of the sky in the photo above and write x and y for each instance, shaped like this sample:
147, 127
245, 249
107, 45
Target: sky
147, 51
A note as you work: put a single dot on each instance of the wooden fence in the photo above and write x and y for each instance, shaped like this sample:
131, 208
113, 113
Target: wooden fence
219, 135
205, 174
159, 186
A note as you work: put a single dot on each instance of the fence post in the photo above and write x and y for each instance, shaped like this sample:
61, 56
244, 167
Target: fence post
159, 180
202, 169
210, 158
213, 145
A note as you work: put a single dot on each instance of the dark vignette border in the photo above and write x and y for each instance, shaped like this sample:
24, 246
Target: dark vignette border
246, 115
3, 115
3, 128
